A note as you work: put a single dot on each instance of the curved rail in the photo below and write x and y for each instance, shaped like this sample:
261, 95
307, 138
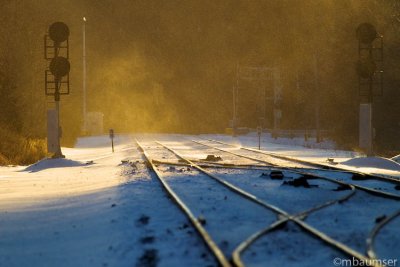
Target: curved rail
296, 218
216, 251
371, 238
227, 184
314, 164
283, 214
246, 244
300, 222
366, 189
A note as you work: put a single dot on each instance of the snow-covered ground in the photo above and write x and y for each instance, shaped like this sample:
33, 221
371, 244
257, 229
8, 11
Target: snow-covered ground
98, 208
316, 152
91, 210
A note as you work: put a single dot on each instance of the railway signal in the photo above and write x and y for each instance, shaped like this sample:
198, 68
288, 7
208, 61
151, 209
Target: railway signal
58, 32
369, 70
56, 51
366, 33
59, 67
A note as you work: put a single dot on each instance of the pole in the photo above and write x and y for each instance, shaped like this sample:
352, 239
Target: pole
233, 110
58, 153
366, 134
84, 129
317, 100
277, 111
370, 151
111, 132
236, 101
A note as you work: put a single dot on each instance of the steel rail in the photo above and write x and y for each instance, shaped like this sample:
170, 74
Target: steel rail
211, 163
218, 165
372, 235
309, 229
315, 164
246, 244
215, 165
215, 250
227, 184
363, 188
371, 238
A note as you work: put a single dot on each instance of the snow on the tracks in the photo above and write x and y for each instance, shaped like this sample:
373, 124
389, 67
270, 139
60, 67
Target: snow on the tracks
98, 208
316, 152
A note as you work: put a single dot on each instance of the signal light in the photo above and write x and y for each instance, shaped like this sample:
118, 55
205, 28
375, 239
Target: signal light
58, 32
366, 33
59, 67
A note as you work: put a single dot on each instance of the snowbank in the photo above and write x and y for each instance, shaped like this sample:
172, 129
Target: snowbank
373, 162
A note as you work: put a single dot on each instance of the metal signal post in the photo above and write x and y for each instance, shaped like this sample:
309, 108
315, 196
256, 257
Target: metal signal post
370, 72
56, 50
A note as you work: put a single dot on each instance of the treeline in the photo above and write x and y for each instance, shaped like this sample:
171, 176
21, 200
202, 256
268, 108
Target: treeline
169, 66
172, 64
23, 103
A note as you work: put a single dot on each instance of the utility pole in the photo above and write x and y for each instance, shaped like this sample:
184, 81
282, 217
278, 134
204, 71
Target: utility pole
317, 98
277, 101
234, 111
235, 91
84, 127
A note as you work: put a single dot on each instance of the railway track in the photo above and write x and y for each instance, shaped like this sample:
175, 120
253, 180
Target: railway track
374, 232
214, 249
314, 164
313, 174
283, 216
219, 256
379, 193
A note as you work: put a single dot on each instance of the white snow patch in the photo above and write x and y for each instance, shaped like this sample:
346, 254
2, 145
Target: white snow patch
373, 162
55, 163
